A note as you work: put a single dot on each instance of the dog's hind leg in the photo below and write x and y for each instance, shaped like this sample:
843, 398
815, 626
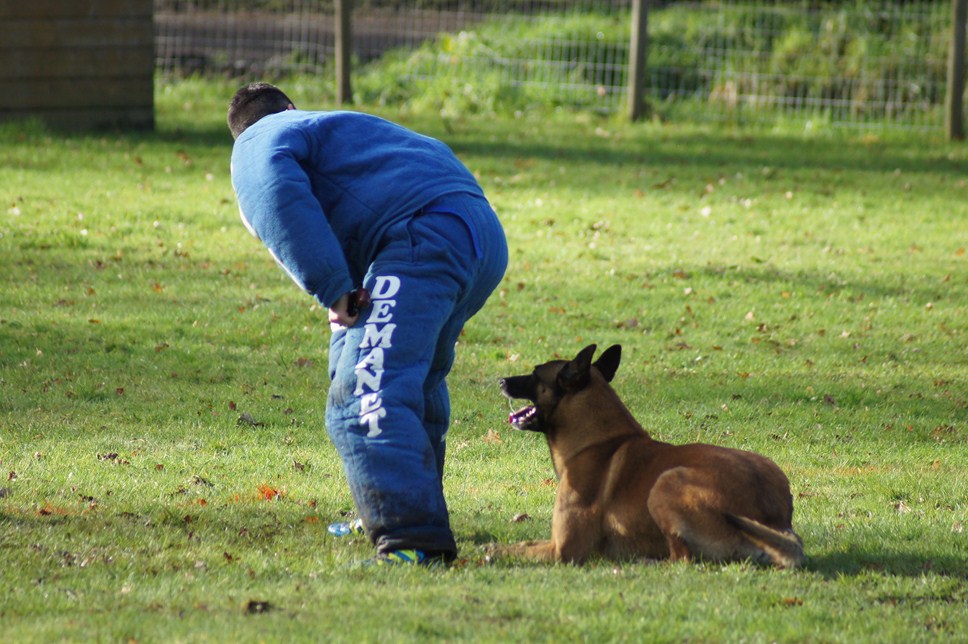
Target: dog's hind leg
668, 504
687, 510
678, 549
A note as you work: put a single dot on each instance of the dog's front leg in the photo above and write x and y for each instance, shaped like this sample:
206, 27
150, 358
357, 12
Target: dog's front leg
547, 551
536, 550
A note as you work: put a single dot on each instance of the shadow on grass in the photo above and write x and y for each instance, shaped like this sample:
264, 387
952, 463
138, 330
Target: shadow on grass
258, 527
836, 565
897, 564
695, 150
576, 143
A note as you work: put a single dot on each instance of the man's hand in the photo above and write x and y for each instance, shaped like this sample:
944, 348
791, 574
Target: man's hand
346, 310
339, 313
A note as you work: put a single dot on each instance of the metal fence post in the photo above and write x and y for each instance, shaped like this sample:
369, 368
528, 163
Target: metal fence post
954, 108
638, 47
344, 50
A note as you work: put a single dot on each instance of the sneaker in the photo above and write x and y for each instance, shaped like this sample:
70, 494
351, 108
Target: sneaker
354, 528
407, 557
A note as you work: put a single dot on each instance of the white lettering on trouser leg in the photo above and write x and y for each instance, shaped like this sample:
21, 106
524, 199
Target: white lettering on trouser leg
377, 336
371, 411
384, 287
369, 372
374, 336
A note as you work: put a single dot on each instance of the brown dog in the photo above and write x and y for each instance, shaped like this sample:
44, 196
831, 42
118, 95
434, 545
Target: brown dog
623, 495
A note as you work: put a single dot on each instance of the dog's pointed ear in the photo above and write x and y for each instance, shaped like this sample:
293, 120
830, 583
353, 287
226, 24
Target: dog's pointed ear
608, 362
574, 375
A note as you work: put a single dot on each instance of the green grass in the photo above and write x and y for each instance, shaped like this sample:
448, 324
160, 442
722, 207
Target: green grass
164, 461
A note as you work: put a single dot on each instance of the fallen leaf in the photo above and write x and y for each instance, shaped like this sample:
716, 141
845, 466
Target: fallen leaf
268, 493
492, 437
255, 607
247, 419
520, 518
50, 509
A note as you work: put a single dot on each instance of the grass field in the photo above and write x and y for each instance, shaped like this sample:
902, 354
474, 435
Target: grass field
166, 475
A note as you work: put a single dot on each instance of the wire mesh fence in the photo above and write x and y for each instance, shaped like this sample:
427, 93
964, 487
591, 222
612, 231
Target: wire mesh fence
859, 63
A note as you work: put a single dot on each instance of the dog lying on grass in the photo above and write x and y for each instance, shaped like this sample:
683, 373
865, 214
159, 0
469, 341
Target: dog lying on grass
623, 495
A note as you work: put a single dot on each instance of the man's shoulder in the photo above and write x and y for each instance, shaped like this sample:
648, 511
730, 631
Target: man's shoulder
313, 123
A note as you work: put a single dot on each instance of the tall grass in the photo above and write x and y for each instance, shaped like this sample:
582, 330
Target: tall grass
166, 474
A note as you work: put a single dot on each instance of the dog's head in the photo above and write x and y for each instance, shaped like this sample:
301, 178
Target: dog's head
550, 382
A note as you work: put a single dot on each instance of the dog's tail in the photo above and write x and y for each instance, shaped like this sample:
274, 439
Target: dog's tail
784, 548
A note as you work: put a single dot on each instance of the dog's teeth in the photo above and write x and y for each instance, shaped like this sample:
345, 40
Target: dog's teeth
522, 415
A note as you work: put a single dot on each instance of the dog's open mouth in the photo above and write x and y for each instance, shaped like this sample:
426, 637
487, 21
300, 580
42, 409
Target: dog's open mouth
524, 418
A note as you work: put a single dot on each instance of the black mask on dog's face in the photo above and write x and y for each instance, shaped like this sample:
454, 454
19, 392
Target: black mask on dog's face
552, 381
541, 389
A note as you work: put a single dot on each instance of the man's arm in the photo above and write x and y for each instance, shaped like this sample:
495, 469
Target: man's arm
277, 203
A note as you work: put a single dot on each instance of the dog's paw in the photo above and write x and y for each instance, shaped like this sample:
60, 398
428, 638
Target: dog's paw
492, 552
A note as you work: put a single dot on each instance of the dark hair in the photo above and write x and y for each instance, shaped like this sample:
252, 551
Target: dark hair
252, 102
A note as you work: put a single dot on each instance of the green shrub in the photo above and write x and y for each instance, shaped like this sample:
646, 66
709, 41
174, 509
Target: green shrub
850, 62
